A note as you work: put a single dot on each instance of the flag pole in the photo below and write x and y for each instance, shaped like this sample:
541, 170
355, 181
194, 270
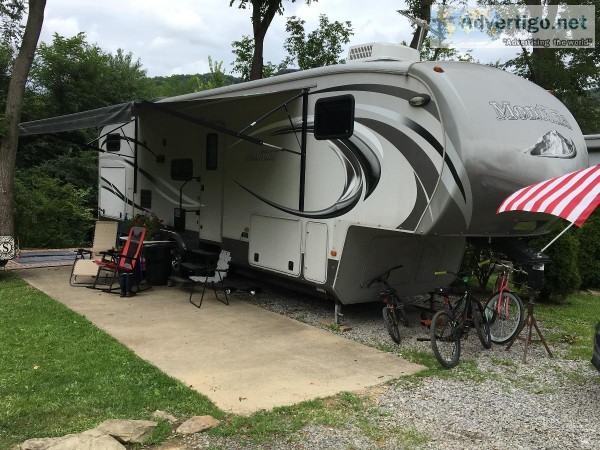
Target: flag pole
557, 236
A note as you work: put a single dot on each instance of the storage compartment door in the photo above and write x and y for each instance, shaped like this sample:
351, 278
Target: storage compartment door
315, 256
275, 244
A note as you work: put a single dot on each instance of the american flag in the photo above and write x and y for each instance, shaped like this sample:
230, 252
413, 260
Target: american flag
573, 196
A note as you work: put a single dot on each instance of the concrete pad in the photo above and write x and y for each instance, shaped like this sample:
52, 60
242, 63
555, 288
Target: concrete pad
242, 357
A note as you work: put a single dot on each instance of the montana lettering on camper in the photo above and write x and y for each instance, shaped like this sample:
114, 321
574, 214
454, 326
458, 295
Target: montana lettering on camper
504, 110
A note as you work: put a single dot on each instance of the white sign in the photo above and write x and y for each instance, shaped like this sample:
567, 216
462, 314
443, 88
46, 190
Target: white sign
7, 247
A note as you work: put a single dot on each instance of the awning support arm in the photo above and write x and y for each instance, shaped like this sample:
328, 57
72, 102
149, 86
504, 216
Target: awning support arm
82, 144
108, 132
214, 127
283, 105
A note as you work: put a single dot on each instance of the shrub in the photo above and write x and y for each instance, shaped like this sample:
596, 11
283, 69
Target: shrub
49, 214
588, 260
561, 276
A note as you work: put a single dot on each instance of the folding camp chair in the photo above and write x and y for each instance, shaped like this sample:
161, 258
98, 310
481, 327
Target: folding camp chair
210, 272
105, 238
125, 262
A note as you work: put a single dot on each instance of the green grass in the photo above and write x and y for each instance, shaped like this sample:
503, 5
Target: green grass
571, 323
284, 421
60, 374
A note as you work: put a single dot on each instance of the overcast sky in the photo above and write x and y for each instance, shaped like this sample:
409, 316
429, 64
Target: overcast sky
177, 36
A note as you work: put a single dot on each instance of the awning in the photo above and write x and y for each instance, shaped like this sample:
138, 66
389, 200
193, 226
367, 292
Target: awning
573, 196
100, 117
124, 112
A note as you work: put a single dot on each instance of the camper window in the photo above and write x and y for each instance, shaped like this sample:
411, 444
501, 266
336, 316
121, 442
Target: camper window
113, 142
334, 117
182, 169
212, 141
146, 198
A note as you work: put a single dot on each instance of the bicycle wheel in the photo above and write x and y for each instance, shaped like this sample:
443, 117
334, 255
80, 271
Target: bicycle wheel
445, 339
482, 326
505, 316
391, 324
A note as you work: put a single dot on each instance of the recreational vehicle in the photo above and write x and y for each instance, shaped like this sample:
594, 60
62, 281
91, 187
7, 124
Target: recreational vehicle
328, 177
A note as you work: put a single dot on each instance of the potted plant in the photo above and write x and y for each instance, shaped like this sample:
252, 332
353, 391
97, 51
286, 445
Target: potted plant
148, 220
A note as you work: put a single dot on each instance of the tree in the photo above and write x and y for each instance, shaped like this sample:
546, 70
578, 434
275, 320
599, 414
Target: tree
215, 79
321, 47
72, 75
263, 12
243, 51
421, 9
68, 75
9, 123
51, 213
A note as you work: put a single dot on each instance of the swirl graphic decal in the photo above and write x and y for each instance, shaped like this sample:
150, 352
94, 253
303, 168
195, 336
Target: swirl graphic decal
360, 163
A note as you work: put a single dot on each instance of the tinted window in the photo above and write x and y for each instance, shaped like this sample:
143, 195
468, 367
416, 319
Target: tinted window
146, 198
334, 117
182, 169
212, 147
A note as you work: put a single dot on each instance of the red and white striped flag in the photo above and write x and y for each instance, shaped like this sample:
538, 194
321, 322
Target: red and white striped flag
573, 196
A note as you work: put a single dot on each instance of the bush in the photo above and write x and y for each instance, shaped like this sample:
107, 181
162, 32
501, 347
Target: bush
588, 260
561, 274
49, 214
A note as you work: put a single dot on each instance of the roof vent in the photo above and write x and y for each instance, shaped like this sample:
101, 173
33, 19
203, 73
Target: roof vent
377, 51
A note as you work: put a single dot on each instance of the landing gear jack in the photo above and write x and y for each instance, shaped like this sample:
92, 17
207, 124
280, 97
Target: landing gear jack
338, 313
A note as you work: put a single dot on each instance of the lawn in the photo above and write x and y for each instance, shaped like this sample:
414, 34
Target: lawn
60, 374
572, 322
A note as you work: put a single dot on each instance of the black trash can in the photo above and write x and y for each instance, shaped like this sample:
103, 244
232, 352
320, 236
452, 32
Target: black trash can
158, 263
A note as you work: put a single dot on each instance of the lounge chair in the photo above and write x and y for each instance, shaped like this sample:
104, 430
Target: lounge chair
123, 262
105, 238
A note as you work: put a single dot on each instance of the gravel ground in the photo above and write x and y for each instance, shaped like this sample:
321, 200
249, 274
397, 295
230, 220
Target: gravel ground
491, 401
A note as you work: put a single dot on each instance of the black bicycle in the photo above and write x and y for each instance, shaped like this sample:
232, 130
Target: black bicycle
452, 324
393, 310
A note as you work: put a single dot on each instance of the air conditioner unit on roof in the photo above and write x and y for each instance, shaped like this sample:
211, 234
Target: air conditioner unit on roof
377, 51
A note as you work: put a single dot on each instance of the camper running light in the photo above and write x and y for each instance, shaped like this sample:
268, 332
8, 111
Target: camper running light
419, 100
438, 69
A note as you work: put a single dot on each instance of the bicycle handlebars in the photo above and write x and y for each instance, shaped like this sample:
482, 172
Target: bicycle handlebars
384, 276
502, 264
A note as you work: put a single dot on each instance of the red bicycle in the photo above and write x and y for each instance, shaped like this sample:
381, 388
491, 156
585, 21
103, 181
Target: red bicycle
504, 310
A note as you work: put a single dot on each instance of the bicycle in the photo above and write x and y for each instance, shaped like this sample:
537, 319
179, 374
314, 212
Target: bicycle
450, 325
504, 310
393, 311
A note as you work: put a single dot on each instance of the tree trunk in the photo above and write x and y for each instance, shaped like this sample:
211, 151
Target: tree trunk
256, 70
262, 16
9, 125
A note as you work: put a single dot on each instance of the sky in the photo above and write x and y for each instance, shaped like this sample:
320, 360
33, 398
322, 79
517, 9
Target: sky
177, 36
